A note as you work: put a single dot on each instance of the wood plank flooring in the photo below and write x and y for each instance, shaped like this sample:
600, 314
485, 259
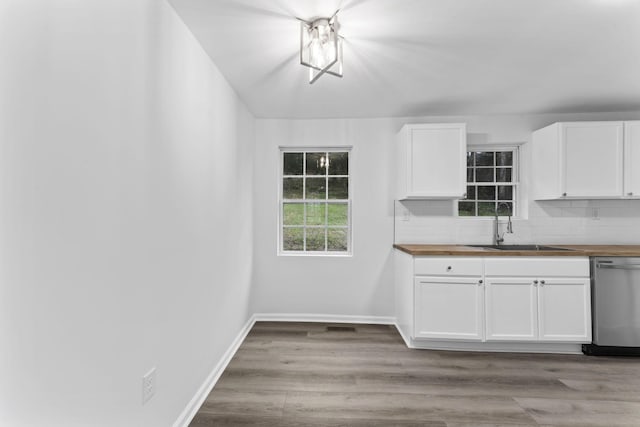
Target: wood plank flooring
314, 374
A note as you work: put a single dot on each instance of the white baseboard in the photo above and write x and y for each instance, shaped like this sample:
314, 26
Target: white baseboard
406, 339
198, 399
511, 347
324, 318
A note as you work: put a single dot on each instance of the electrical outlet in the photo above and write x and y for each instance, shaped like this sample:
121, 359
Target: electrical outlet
595, 214
405, 215
148, 385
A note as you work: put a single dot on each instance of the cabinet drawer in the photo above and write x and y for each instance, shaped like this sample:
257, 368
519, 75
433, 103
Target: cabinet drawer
448, 266
537, 266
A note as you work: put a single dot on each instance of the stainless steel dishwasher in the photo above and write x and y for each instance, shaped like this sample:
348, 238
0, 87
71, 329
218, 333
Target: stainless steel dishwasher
615, 293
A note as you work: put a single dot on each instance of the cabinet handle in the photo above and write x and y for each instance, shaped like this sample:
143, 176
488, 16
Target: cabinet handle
542, 283
535, 282
564, 194
449, 268
480, 282
629, 194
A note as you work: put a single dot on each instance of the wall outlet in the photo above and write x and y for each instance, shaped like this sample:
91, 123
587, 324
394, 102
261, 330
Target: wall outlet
148, 385
595, 214
405, 215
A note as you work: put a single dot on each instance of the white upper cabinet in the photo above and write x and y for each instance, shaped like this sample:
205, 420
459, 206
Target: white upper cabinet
431, 161
580, 160
632, 159
593, 154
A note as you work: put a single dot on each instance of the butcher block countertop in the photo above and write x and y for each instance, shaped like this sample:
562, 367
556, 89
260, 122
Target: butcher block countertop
576, 250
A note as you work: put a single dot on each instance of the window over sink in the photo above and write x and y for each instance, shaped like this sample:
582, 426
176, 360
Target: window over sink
492, 182
315, 202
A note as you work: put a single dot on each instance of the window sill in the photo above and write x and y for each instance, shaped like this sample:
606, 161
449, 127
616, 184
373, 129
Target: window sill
490, 218
317, 254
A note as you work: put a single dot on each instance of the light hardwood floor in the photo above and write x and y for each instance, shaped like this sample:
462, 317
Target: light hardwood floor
313, 374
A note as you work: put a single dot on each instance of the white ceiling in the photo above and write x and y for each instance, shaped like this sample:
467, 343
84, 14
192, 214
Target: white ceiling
428, 57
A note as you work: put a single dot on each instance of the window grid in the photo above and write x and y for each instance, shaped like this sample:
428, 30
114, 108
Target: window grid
307, 203
491, 180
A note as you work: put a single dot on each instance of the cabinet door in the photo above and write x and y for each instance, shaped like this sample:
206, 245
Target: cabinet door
564, 310
511, 309
448, 308
593, 154
436, 156
632, 159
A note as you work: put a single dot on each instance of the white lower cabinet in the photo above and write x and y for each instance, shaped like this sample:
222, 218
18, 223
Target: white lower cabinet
490, 301
449, 308
511, 307
564, 309
538, 309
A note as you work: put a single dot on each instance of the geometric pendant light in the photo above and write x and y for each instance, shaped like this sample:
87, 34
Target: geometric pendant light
321, 47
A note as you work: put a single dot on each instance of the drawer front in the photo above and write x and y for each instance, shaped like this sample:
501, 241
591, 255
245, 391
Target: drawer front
448, 266
537, 266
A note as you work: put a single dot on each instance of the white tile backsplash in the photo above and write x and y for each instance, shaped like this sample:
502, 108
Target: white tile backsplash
548, 222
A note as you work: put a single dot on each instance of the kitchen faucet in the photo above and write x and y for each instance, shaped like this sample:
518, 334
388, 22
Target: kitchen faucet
496, 237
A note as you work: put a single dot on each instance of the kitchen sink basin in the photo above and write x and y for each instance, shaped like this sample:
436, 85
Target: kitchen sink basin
520, 247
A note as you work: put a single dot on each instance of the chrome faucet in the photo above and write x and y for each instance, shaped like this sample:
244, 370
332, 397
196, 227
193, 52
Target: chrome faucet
496, 237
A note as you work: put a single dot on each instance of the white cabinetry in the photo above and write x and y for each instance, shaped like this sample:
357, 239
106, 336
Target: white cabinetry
495, 302
632, 159
581, 160
431, 161
564, 309
511, 309
541, 299
532, 309
449, 308
448, 298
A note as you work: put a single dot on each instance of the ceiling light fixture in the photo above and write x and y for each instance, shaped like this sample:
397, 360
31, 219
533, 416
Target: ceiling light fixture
321, 47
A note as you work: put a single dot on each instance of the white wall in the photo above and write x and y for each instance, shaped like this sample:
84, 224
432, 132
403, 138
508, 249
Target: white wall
357, 285
125, 228
362, 285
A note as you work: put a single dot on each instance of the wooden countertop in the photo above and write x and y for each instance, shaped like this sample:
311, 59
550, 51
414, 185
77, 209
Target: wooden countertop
575, 250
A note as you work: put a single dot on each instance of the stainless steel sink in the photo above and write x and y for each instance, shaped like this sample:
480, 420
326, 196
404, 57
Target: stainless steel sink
520, 247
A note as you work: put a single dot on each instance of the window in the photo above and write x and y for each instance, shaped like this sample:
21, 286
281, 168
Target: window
315, 202
492, 182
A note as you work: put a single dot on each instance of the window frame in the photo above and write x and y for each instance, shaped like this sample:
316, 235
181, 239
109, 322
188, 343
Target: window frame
326, 201
515, 179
